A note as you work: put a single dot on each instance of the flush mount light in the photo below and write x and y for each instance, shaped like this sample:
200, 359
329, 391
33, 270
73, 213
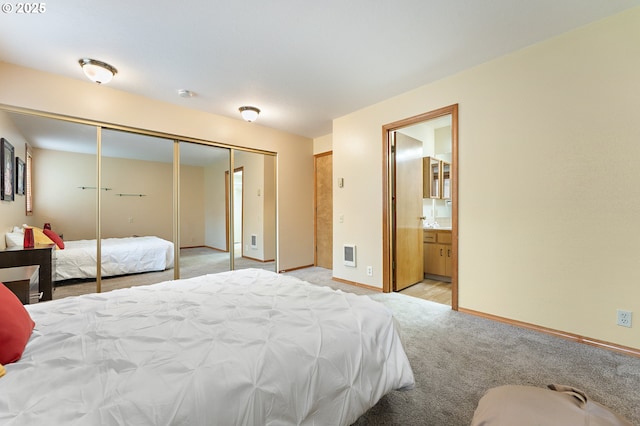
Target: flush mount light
249, 113
97, 71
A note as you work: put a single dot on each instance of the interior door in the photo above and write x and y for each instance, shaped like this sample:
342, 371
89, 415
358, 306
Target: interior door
324, 210
409, 262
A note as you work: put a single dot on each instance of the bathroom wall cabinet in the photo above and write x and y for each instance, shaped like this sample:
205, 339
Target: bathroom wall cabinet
436, 178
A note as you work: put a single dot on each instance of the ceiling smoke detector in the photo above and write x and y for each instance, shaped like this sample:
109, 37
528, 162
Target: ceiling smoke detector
184, 93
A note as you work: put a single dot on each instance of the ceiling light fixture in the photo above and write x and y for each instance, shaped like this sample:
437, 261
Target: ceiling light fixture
249, 113
97, 71
184, 93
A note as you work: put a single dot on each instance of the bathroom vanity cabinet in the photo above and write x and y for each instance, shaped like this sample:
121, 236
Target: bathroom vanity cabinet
437, 252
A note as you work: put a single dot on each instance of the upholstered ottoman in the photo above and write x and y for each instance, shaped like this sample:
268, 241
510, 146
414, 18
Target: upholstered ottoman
528, 406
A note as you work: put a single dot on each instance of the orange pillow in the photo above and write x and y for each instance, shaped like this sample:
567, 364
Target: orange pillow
15, 326
54, 237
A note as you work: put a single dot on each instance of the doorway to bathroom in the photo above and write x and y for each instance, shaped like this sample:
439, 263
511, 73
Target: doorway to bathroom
421, 215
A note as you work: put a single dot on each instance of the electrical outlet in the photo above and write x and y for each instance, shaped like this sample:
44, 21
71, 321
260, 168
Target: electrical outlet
624, 318
370, 271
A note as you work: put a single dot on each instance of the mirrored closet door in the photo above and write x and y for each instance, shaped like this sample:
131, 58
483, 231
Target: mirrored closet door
254, 210
147, 206
204, 225
64, 195
136, 209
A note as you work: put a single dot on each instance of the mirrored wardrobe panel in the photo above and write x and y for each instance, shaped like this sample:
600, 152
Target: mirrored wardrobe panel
254, 210
64, 193
136, 209
147, 207
204, 221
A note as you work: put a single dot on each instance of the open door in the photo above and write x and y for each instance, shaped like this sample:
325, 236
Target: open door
407, 184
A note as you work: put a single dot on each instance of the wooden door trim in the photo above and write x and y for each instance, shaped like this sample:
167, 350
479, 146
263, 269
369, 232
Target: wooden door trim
227, 207
387, 231
315, 204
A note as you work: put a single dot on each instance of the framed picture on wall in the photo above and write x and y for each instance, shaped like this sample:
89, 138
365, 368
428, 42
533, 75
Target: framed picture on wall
19, 176
7, 158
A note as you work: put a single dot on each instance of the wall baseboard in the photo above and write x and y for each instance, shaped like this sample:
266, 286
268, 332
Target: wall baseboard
356, 284
569, 336
295, 268
258, 260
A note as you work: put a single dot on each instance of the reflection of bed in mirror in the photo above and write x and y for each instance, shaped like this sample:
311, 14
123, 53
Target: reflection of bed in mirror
120, 256
65, 180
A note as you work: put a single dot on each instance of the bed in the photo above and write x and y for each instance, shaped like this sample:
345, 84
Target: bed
120, 256
247, 347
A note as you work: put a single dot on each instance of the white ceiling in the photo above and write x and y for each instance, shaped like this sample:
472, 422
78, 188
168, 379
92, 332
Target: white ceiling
303, 63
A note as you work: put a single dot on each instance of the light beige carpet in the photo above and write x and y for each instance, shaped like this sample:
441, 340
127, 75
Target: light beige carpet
456, 357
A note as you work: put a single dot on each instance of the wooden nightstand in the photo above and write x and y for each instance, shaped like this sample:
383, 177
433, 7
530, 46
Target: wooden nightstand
23, 281
42, 256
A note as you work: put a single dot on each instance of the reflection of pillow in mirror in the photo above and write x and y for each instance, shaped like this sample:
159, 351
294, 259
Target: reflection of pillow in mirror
39, 238
14, 239
55, 238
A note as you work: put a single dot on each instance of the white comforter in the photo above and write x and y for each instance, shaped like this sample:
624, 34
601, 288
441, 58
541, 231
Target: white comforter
247, 347
119, 256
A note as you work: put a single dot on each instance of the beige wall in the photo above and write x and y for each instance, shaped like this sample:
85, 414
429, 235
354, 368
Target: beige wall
215, 211
548, 225
27, 88
322, 144
192, 206
12, 213
57, 198
258, 204
257, 196
71, 209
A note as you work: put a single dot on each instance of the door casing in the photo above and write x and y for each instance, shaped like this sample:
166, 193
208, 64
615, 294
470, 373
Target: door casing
388, 233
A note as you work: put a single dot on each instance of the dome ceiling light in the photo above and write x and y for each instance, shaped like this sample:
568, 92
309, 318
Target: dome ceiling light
97, 71
249, 113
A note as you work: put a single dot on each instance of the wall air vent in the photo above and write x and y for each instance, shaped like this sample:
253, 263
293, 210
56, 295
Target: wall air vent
349, 255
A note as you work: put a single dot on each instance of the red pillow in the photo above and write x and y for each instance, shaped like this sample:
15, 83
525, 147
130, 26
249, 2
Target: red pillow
54, 237
15, 326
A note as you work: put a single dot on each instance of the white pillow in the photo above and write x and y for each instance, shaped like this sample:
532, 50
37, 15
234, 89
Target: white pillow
19, 229
14, 239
